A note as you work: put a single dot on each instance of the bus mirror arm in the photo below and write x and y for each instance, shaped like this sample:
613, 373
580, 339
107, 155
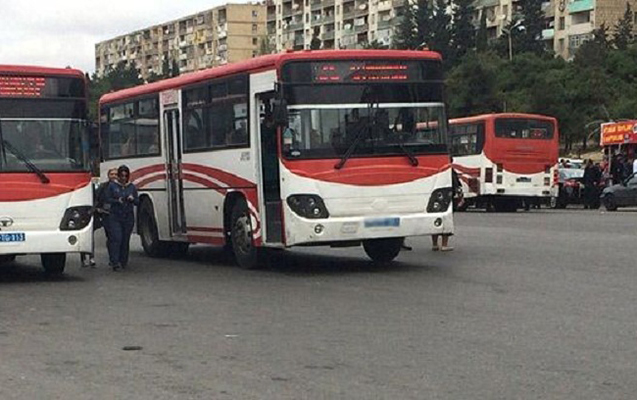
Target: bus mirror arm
280, 112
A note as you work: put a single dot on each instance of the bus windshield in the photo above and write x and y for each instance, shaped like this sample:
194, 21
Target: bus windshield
52, 145
329, 131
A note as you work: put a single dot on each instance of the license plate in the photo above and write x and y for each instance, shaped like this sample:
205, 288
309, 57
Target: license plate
382, 222
523, 179
12, 237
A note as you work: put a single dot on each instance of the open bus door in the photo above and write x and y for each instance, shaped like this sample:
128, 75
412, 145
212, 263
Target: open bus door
174, 184
270, 173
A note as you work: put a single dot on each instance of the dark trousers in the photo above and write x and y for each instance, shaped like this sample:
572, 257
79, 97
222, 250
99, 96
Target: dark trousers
119, 233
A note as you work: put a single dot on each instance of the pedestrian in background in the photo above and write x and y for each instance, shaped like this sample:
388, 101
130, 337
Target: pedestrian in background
458, 199
591, 181
122, 197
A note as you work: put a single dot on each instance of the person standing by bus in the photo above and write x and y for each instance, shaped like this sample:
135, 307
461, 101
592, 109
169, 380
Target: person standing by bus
457, 199
122, 197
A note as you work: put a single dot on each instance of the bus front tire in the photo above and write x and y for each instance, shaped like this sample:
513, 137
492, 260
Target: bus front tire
53, 263
153, 247
241, 239
383, 250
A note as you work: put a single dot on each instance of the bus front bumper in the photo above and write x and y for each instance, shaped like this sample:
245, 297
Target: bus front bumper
38, 242
347, 229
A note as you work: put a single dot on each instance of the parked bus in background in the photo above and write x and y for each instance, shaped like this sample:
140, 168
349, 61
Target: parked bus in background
46, 197
505, 161
337, 148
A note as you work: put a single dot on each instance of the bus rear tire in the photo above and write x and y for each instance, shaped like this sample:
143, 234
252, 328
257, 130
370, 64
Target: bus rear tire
383, 250
148, 234
241, 239
53, 263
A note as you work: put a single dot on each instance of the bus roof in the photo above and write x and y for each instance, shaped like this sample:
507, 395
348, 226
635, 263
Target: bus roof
483, 117
40, 71
263, 63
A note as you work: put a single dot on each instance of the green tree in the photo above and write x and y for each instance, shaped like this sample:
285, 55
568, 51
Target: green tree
473, 85
375, 44
532, 22
624, 29
462, 30
265, 46
594, 52
121, 77
482, 39
405, 34
174, 68
441, 30
423, 23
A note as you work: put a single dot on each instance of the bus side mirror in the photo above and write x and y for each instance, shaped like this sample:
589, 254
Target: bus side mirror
280, 112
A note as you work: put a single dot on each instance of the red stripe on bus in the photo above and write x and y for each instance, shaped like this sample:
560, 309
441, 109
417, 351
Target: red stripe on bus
141, 172
203, 229
206, 239
145, 182
27, 186
222, 176
370, 171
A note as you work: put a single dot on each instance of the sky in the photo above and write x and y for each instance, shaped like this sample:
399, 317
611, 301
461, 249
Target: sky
61, 33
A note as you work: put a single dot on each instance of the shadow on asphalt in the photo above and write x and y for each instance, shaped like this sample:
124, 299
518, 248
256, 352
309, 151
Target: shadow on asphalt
15, 272
296, 263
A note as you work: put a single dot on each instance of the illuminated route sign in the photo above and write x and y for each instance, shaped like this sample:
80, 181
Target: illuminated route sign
367, 71
22, 86
35, 87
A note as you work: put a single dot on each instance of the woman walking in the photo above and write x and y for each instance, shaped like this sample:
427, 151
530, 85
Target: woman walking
122, 197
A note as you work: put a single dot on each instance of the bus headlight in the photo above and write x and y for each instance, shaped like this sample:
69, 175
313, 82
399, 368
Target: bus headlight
308, 206
76, 218
440, 200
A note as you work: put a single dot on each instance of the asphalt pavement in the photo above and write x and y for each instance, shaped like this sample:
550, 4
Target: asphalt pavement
530, 305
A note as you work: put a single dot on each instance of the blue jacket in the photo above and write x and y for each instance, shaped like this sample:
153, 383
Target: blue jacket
117, 197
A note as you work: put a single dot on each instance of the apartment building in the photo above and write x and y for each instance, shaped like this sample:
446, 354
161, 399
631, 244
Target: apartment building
218, 36
575, 20
335, 24
569, 23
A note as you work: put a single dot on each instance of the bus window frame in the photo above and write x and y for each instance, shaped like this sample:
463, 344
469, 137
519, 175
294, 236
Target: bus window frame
135, 101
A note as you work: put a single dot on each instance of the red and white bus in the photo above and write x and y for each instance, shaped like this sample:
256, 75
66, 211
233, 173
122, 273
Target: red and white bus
46, 193
505, 161
308, 148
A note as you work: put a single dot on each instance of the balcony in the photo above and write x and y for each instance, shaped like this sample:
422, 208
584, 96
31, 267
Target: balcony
361, 28
299, 41
580, 6
348, 14
328, 35
316, 5
384, 23
548, 34
397, 3
328, 3
295, 25
328, 19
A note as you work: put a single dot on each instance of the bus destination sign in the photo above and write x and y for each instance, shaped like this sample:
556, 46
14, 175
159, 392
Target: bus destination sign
359, 72
22, 86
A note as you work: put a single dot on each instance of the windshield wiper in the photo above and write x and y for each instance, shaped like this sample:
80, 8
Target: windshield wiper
7, 145
412, 159
352, 147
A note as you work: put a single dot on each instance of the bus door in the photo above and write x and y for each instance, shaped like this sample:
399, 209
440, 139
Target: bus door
174, 183
270, 174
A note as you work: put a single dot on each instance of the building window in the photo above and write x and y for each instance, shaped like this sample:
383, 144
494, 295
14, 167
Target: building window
254, 27
562, 24
560, 45
255, 13
255, 41
575, 41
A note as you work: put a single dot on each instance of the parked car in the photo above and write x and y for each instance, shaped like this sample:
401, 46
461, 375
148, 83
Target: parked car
571, 188
621, 195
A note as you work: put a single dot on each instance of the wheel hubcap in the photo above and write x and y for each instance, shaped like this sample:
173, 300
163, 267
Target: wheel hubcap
243, 234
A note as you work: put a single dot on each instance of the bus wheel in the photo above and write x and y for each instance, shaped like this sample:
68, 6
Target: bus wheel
383, 250
245, 253
7, 259
610, 203
53, 263
148, 232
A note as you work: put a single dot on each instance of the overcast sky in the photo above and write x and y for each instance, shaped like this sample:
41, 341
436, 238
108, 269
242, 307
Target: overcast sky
59, 33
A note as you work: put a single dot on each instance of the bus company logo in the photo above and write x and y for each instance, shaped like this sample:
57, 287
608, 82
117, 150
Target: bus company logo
6, 222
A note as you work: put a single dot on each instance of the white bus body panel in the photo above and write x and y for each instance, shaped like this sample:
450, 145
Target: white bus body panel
350, 206
40, 221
